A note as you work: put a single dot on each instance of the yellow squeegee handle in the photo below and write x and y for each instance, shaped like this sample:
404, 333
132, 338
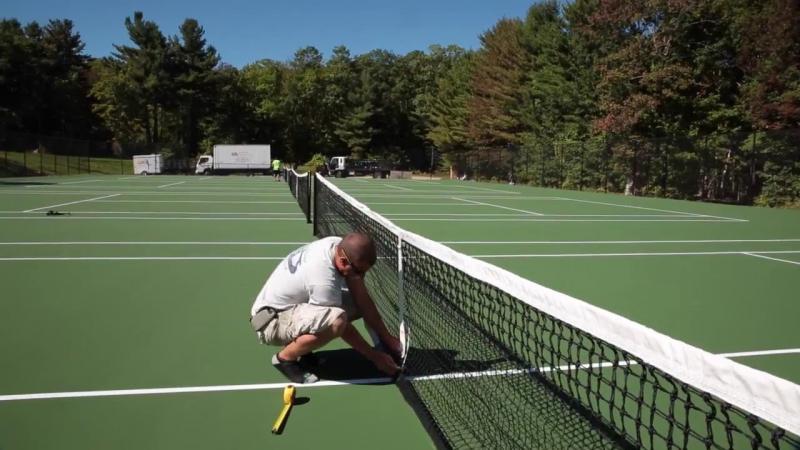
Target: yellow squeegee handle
288, 400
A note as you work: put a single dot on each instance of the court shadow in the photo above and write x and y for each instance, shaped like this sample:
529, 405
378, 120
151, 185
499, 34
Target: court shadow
342, 365
348, 364
425, 362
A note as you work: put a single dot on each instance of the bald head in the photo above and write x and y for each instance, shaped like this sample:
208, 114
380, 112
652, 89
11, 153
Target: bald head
360, 248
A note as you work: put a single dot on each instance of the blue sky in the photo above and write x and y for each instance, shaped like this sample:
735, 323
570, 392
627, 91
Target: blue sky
244, 31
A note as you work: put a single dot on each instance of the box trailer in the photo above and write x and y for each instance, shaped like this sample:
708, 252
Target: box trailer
148, 164
235, 159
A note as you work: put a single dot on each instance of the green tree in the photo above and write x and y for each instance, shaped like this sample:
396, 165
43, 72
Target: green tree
495, 122
145, 66
196, 81
117, 102
449, 113
20, 57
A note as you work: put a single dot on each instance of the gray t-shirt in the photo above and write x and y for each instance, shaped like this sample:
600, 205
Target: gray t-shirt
307, 275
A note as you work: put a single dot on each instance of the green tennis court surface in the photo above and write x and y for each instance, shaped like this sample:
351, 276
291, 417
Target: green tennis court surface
147, 283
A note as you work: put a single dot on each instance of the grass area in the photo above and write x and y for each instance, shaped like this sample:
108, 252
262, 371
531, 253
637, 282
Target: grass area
27, 164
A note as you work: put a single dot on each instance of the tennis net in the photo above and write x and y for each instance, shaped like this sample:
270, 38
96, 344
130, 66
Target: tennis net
497, 361
300, 187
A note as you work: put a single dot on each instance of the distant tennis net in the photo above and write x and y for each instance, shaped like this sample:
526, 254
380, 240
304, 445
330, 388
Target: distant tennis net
300, 187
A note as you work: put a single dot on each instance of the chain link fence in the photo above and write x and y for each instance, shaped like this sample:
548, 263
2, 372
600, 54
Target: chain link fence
747, 167
26, 154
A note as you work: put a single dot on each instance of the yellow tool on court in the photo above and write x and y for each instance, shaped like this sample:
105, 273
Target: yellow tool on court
288, 401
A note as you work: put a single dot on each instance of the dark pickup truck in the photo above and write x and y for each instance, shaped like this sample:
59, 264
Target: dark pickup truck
341, 166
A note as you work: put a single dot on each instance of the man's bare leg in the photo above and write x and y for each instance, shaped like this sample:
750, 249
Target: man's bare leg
309, 342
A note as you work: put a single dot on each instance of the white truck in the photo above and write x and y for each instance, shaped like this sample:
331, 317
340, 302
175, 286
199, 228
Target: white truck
148, 164
235, 158
343, 166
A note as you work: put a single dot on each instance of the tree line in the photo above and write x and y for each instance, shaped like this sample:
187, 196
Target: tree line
676, 98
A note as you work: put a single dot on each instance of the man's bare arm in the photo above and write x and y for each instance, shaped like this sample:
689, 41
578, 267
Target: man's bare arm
381, 360
358, 290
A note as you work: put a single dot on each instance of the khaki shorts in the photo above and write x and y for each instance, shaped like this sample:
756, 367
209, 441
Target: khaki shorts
306, 319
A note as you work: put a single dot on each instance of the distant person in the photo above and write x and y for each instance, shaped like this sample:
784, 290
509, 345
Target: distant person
304, 305
276, 169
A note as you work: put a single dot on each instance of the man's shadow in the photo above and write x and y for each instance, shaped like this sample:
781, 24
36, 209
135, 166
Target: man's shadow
349, 365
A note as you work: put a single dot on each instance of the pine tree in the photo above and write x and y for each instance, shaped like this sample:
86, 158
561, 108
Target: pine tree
495, 122
196, 81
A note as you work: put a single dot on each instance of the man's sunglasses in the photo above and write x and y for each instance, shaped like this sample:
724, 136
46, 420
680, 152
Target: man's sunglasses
356, 270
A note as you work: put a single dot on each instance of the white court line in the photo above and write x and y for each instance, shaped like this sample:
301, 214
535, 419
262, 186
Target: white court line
170, 184
694, 241
395, 219
256, 258
704, 241
387, 215
589, 255
536, 219
527, 214
71, 203
79, 182
431, 182
144, 258
53, 184
655, 209
352, 382
398, 187
785, 351
200, 201
125, 189
146, 218
184, 390
483, 189
773, 259
181, 212
440, 195
154, 243
422, 204
497, 206
166, 193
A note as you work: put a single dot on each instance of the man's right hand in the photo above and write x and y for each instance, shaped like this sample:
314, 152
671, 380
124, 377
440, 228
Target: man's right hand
384, 363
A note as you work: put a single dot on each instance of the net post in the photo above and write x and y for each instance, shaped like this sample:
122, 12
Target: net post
315, 218
310, 189
401, 298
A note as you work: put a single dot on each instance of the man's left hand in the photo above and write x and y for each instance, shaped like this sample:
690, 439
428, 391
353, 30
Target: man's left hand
394, 347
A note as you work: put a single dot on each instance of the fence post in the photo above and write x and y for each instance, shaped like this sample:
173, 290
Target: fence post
121, 167
89, 164
55, 164
41, 163
25, 162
